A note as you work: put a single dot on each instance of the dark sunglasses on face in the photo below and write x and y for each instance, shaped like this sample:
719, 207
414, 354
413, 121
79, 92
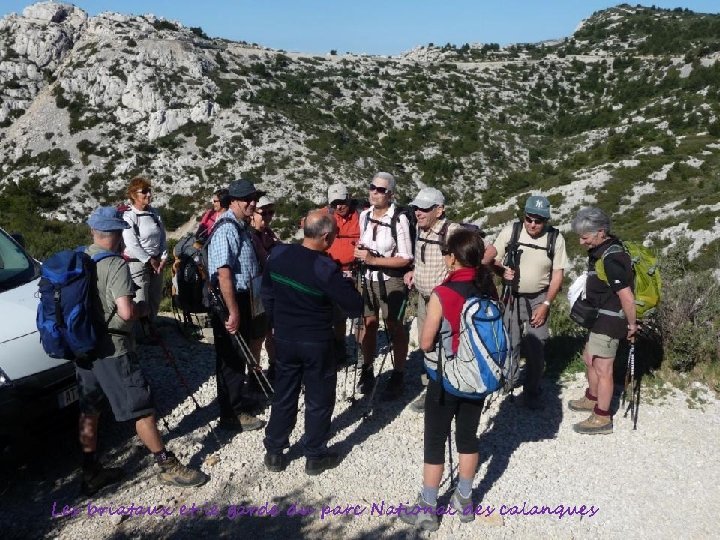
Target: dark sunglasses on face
214, 201
379, 189
248, 199
337, 203
444, 251
426, 210
144, 191
536, 221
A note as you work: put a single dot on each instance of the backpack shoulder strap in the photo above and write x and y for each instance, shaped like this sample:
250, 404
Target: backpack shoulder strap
442, 235
466, 289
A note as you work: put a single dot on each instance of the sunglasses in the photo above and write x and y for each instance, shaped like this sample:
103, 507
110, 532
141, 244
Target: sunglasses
445, 252
379, 189
337, 203
215, 201
144, 191
426, 210
536, 221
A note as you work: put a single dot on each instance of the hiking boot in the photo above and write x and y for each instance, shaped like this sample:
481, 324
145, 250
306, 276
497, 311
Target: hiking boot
367, 380
394, 388
581, 405
595, 425
241, 422
418, 405
96, 478
274, 462
425, 519
174, 473
315, 466
463, 506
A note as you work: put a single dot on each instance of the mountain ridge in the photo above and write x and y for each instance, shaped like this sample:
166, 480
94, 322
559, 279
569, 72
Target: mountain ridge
597, 117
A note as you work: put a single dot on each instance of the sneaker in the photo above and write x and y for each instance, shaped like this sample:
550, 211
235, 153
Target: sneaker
93, 480
426, 518
174, 473
315, 466
367, 380
274, 462
595, 425
418, 405
463, 506
581, 405
394, 388
242, 422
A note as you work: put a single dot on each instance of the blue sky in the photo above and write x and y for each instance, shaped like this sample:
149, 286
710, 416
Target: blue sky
371, 26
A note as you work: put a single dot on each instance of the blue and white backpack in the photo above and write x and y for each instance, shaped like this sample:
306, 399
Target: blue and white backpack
68, 313
482, 362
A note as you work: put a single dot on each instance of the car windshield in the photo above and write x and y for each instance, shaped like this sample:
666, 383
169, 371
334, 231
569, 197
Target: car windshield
16, 267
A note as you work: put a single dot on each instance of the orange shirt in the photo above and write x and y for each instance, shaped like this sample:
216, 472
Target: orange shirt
343, 249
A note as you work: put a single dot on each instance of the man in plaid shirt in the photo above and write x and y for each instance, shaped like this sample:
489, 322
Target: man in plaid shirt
233, 268
430, 270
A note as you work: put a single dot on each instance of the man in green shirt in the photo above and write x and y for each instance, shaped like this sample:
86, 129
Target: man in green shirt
116, 373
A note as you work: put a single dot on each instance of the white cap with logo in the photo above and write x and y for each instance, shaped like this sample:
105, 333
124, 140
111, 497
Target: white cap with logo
428, 197
337, 192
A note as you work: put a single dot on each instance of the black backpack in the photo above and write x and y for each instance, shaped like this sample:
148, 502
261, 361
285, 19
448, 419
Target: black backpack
514, 242
190, 275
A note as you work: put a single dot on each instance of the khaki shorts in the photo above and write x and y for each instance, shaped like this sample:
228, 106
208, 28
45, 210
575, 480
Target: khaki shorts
389, 303
602, 345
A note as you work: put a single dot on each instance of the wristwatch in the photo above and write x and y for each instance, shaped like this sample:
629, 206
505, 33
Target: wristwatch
546, 302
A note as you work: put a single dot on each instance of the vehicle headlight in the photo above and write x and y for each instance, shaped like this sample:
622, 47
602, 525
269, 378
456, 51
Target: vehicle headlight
4, 379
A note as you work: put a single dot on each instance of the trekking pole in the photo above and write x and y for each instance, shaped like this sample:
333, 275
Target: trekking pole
356, 330
630, 376
170, 359
253, 364
451, 474
371, 403
217, 305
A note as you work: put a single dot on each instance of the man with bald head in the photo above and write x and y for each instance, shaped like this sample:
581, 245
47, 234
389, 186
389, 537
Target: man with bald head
300, 285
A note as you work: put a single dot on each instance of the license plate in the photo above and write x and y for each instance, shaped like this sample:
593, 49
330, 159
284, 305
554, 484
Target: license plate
68, 396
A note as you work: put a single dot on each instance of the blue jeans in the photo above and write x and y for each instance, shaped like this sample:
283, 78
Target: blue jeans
312, 364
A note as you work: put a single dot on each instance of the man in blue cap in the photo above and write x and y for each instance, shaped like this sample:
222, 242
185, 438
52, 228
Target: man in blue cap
116, 373
234, 271
531, 257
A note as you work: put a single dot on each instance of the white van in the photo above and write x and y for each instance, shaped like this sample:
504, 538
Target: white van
33, 386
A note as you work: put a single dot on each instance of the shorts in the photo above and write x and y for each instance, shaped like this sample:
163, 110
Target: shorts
390, 303
602, 345
121, 380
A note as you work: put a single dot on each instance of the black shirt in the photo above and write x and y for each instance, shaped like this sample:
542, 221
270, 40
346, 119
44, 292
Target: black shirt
618, 269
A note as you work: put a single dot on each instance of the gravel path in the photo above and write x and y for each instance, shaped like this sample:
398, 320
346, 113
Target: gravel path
659, 481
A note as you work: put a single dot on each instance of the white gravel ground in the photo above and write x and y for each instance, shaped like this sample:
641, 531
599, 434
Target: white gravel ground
659, 481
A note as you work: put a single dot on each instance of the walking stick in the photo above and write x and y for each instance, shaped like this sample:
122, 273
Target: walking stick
170, 359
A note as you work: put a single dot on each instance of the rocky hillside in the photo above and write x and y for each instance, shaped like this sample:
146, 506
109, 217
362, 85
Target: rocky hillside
624, 114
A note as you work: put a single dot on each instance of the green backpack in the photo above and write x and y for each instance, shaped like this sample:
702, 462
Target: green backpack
647, 276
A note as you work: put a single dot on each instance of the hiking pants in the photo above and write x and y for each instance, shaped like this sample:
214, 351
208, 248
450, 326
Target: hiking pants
526, 340
229, 363
311, 364
438, 421
149, 285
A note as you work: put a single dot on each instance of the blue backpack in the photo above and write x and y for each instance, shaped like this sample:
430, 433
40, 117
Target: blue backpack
68, 316
482, 363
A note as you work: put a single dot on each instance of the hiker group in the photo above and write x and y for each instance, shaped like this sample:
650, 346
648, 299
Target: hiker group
296, 299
